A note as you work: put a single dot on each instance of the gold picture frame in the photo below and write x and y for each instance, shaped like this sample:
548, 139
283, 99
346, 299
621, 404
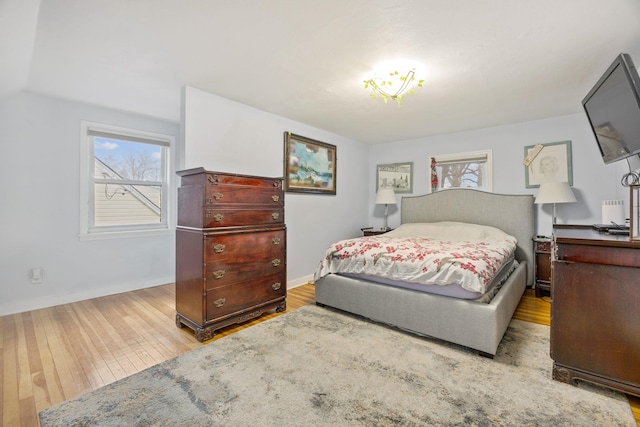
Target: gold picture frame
309, 165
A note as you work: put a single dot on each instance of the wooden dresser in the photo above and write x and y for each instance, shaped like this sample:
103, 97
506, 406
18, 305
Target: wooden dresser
595, 310
230, 249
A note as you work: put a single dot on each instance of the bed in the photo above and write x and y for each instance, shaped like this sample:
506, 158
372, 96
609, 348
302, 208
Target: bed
472, 323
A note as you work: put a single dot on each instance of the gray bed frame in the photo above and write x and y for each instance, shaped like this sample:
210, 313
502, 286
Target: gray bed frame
468, 323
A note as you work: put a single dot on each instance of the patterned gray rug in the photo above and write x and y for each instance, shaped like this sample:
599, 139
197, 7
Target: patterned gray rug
317, 367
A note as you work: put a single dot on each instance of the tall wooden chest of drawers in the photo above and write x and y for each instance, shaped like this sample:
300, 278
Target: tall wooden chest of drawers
230, 249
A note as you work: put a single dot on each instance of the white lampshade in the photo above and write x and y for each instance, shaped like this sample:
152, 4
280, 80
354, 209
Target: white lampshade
555, 192
386, 196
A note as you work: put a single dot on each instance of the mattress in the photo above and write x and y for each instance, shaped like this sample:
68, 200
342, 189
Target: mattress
453, 290
444, 253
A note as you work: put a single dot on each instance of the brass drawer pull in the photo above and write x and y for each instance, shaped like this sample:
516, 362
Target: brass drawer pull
219, 274
276, 286
213, 179
219, 248
275, 198
219, 302
276, 184
216, 216
275, 240
216, 197
275, 215
275, 262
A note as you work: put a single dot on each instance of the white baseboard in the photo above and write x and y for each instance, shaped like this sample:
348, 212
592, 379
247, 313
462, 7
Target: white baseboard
53, 300
299, 282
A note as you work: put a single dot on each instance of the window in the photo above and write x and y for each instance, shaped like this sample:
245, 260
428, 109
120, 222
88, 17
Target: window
125, 180
464, 170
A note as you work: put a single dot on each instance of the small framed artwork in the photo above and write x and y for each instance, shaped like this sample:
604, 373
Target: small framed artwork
398, 176
634, 218
549, 162
309, 165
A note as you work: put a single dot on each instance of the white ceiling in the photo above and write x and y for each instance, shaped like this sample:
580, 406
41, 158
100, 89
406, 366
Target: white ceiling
486, 62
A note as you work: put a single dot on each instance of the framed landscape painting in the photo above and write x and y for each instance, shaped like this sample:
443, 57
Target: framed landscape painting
309, 165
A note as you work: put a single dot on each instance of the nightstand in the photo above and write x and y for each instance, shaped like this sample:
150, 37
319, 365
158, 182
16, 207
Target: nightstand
374, 231
542, 266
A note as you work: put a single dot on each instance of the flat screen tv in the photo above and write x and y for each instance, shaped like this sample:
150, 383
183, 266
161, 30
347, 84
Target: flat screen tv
613, 109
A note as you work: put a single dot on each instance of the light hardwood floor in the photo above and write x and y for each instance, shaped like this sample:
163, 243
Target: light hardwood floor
54, 354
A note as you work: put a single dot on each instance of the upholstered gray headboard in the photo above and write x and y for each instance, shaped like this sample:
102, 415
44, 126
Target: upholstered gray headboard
512, 213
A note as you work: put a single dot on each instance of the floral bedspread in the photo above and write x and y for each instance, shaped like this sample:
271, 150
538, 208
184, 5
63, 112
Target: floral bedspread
470, 264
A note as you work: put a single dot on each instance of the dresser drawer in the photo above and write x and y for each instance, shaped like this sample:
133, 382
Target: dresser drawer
244, 246
543, 247
625, 257
249, 205
223, 273
224, 194
199, 176
217, 179
246, 216
239, 296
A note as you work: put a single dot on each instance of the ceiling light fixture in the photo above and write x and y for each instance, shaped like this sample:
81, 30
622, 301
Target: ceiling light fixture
392, 85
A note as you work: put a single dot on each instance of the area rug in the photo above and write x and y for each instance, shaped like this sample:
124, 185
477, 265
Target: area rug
318, 367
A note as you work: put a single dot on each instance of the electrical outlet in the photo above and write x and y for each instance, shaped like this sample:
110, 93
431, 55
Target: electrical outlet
36, 275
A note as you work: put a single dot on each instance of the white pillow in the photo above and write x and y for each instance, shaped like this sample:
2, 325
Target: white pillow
449, 230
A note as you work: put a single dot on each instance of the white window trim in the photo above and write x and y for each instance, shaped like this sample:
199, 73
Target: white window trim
466, 157
86, 184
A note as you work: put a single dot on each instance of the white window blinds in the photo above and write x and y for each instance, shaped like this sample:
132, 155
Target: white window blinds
463, 170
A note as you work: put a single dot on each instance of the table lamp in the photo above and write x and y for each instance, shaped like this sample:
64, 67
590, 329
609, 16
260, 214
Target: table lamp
386, 197
555, 192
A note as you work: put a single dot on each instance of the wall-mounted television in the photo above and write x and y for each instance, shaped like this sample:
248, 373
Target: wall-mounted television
613, 109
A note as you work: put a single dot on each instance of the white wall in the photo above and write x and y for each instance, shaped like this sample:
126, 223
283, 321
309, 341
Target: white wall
226, 136
593, 181
39, 188
39, 210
